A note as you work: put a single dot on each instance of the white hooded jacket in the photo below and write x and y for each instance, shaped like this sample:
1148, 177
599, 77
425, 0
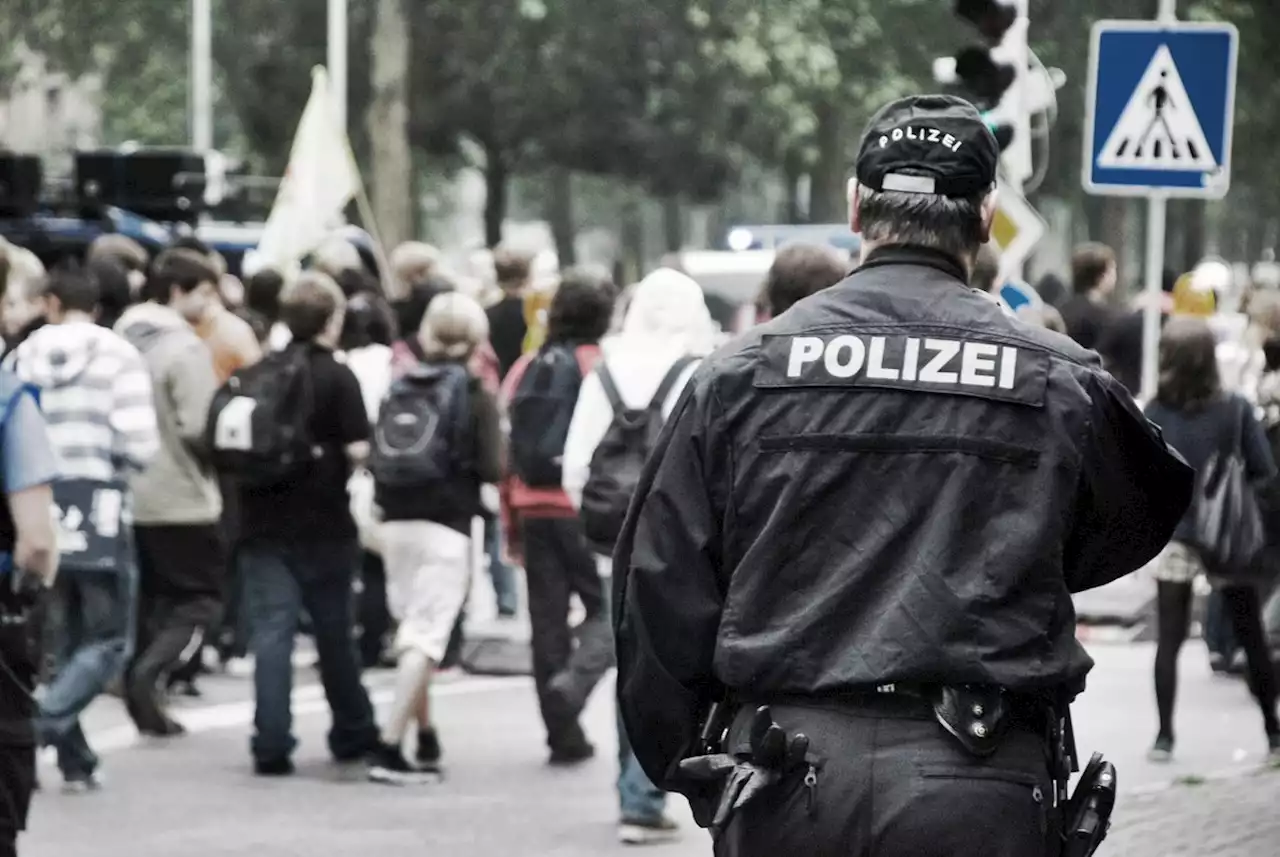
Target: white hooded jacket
667, 319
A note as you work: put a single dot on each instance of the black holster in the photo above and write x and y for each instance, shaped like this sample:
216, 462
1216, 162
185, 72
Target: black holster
976, 716
1087, 815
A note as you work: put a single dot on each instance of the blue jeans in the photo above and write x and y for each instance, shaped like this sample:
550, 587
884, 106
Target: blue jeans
281, 580
90, 623
639, 800
503, 575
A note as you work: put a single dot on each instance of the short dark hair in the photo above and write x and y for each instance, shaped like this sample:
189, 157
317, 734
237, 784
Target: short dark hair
308, 304
75, 290
798, 271
952, 225
114, 294
410, 310
1188, 379
262, 294
192, 243
582, 307
183, 269
369, 321
511, 267
1089, 263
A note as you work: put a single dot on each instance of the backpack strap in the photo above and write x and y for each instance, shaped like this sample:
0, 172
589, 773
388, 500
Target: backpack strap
610, 388
669, 381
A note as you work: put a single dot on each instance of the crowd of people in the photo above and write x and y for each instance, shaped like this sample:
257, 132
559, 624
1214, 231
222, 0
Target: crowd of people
423, 414
420, 421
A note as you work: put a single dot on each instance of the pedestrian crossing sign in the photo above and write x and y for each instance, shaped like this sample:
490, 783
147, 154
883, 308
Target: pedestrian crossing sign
1161, 99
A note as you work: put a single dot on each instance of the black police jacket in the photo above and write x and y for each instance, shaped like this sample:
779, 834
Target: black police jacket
896, 480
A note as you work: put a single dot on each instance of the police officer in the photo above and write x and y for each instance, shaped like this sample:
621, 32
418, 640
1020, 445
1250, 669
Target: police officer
859, 535
28, 561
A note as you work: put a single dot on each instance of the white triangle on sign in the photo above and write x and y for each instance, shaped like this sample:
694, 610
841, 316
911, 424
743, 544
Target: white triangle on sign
1158, 128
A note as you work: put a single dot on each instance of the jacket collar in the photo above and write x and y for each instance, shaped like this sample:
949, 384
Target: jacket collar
905, 254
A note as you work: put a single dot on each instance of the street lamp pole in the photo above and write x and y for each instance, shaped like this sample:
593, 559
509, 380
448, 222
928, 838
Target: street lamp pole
337, 62
202, 75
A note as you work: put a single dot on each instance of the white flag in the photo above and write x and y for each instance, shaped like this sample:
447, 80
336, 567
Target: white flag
319, 182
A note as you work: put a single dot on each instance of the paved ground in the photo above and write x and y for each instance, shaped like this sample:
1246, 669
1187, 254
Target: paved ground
195, 796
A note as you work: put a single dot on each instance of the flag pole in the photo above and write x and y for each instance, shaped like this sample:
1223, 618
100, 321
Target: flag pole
365, 209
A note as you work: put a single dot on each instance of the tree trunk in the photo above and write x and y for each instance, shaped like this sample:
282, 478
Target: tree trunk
387, 121
828, 203
632, 238
495, 200
559, 215
792, 169
672, 224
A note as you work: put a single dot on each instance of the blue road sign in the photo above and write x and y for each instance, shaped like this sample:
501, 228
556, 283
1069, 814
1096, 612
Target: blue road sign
1017, 295
1161, 99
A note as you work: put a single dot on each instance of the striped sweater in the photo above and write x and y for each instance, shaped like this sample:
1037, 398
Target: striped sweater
95, 391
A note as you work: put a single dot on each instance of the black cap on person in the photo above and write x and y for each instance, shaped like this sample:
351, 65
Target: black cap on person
932, 144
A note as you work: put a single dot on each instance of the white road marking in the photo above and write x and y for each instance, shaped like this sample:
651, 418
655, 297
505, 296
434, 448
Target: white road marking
307, 700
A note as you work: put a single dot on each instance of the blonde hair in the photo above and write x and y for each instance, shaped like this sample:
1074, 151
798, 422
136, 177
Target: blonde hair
122, 248
412, 262
26, 273
453, 328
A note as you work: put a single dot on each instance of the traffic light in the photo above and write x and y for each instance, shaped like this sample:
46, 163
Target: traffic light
994, 76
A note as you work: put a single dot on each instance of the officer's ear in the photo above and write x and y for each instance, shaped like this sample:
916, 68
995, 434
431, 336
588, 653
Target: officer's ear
852, 191
989, 204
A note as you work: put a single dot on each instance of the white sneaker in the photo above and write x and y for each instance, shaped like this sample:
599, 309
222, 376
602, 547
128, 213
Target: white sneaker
648, 832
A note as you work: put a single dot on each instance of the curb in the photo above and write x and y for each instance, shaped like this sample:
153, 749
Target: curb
1222, 775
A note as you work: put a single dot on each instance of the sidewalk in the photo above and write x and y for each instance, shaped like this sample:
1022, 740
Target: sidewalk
1228, 818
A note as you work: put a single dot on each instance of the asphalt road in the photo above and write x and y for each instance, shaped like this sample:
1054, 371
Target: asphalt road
196, 795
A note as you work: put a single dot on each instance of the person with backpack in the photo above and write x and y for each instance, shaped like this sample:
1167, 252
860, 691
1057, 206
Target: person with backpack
1212, 430
540, 394
620, 411
437, 440
289, 430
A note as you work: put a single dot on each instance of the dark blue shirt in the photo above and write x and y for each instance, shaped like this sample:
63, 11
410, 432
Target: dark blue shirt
1226, 424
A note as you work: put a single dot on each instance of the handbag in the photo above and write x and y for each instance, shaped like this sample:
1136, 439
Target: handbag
1228, 530
90, 517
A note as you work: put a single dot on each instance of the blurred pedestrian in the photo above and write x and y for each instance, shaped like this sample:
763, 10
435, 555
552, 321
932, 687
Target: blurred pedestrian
507, 326
643, 370
95, 391
798, 271
1087, 313
23, 304
429, 489
299, 549
262, 296
986, 270
28, 563
1201, 422
177, 503
540, 394
412, 262
115, 293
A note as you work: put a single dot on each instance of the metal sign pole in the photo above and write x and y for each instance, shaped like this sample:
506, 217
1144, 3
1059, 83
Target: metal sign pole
1157, 221
201, 75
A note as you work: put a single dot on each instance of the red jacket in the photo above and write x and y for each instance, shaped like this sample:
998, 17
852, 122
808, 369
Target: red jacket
519, 499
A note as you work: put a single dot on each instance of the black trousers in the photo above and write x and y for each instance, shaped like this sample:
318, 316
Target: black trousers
174, 611
892, 786
20, 654
559, 564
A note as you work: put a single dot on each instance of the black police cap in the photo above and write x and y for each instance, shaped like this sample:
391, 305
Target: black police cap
934, 144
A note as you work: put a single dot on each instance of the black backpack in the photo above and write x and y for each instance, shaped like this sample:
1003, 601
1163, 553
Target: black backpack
423, 433
259, 425
540, 412
621, 455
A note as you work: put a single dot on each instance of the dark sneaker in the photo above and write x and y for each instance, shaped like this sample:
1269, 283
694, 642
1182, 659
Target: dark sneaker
1161, 750
1273, 750
388, 765
647, 831
273, 767
429, 753
572, 754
